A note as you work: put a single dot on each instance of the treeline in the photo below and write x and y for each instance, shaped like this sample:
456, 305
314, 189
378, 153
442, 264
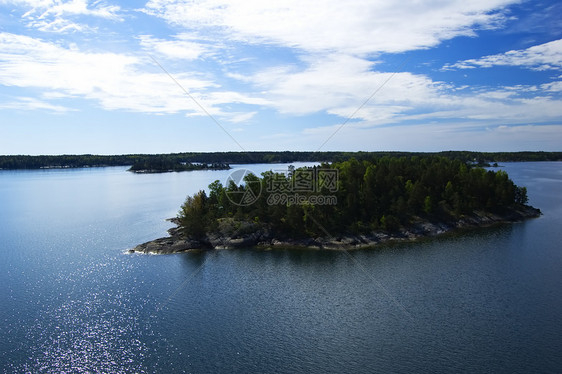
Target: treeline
383, 193
63, 161
173, 160
76, 161
484, 158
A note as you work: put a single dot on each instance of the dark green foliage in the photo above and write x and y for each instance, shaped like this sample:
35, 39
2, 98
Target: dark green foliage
380, 193
521, 195
195, 215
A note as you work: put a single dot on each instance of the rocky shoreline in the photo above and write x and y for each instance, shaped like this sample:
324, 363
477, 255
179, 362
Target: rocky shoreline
258, 237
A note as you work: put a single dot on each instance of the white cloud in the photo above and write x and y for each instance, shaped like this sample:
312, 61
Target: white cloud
335, 84
241, 118
116, 81
59, 15
553, 86
30, 103
339, 84
335, 42
181, 47
58, 25
547, 56
356, 26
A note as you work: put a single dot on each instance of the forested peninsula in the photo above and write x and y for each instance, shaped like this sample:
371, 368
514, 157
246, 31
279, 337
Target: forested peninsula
349, 204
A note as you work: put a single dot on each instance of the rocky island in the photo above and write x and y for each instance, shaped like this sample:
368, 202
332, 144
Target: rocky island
176, 242
346, 205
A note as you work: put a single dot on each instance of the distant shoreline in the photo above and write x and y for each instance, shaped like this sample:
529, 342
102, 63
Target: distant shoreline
176, 242
173, 160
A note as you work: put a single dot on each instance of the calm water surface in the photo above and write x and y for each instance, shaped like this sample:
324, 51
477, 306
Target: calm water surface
72, 300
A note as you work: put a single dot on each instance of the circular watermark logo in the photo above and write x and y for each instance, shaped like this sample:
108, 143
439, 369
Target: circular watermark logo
248, 191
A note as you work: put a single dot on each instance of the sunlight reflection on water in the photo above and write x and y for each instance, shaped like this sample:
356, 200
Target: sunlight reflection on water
94, 334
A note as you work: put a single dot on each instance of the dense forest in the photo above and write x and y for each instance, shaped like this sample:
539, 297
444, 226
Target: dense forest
152, 160
356, 196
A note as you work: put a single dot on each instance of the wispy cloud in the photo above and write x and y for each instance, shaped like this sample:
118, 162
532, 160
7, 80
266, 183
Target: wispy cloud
547, 56
61, 15
31, 103
355, 26
181, 47
115, 81
338, 84
552, 87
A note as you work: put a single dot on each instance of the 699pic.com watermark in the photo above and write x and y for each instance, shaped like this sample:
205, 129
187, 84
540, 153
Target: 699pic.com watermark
297, 199
303, 187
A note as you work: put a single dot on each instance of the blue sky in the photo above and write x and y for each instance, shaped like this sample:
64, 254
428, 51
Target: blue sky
106, 77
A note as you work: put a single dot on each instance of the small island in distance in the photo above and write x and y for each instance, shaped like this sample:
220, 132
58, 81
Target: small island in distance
349, 204
166, 166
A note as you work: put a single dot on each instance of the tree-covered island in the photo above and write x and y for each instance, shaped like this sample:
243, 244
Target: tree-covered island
347, 204
162, 165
